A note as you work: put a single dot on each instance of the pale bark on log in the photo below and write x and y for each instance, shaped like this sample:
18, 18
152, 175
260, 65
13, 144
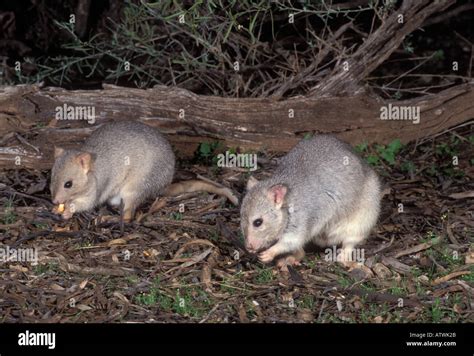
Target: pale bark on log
28, 129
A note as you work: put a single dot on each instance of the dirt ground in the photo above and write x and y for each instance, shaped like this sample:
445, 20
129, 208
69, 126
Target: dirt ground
185, 262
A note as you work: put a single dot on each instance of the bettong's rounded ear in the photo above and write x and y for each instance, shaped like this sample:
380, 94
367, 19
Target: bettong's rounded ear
277, 194
251, 182
85, 159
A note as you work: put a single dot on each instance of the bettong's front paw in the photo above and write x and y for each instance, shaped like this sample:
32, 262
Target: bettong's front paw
67, 214
266, 256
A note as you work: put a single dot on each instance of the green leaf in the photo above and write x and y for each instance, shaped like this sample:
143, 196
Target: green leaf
389, 156
372, 160
362, 147
395, 146
205, 149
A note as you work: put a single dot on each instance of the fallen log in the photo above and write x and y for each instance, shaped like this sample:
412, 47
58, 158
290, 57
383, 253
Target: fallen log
29, 128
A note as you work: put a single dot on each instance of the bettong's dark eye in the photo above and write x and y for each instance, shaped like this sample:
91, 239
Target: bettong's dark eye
257, 222
68, 184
